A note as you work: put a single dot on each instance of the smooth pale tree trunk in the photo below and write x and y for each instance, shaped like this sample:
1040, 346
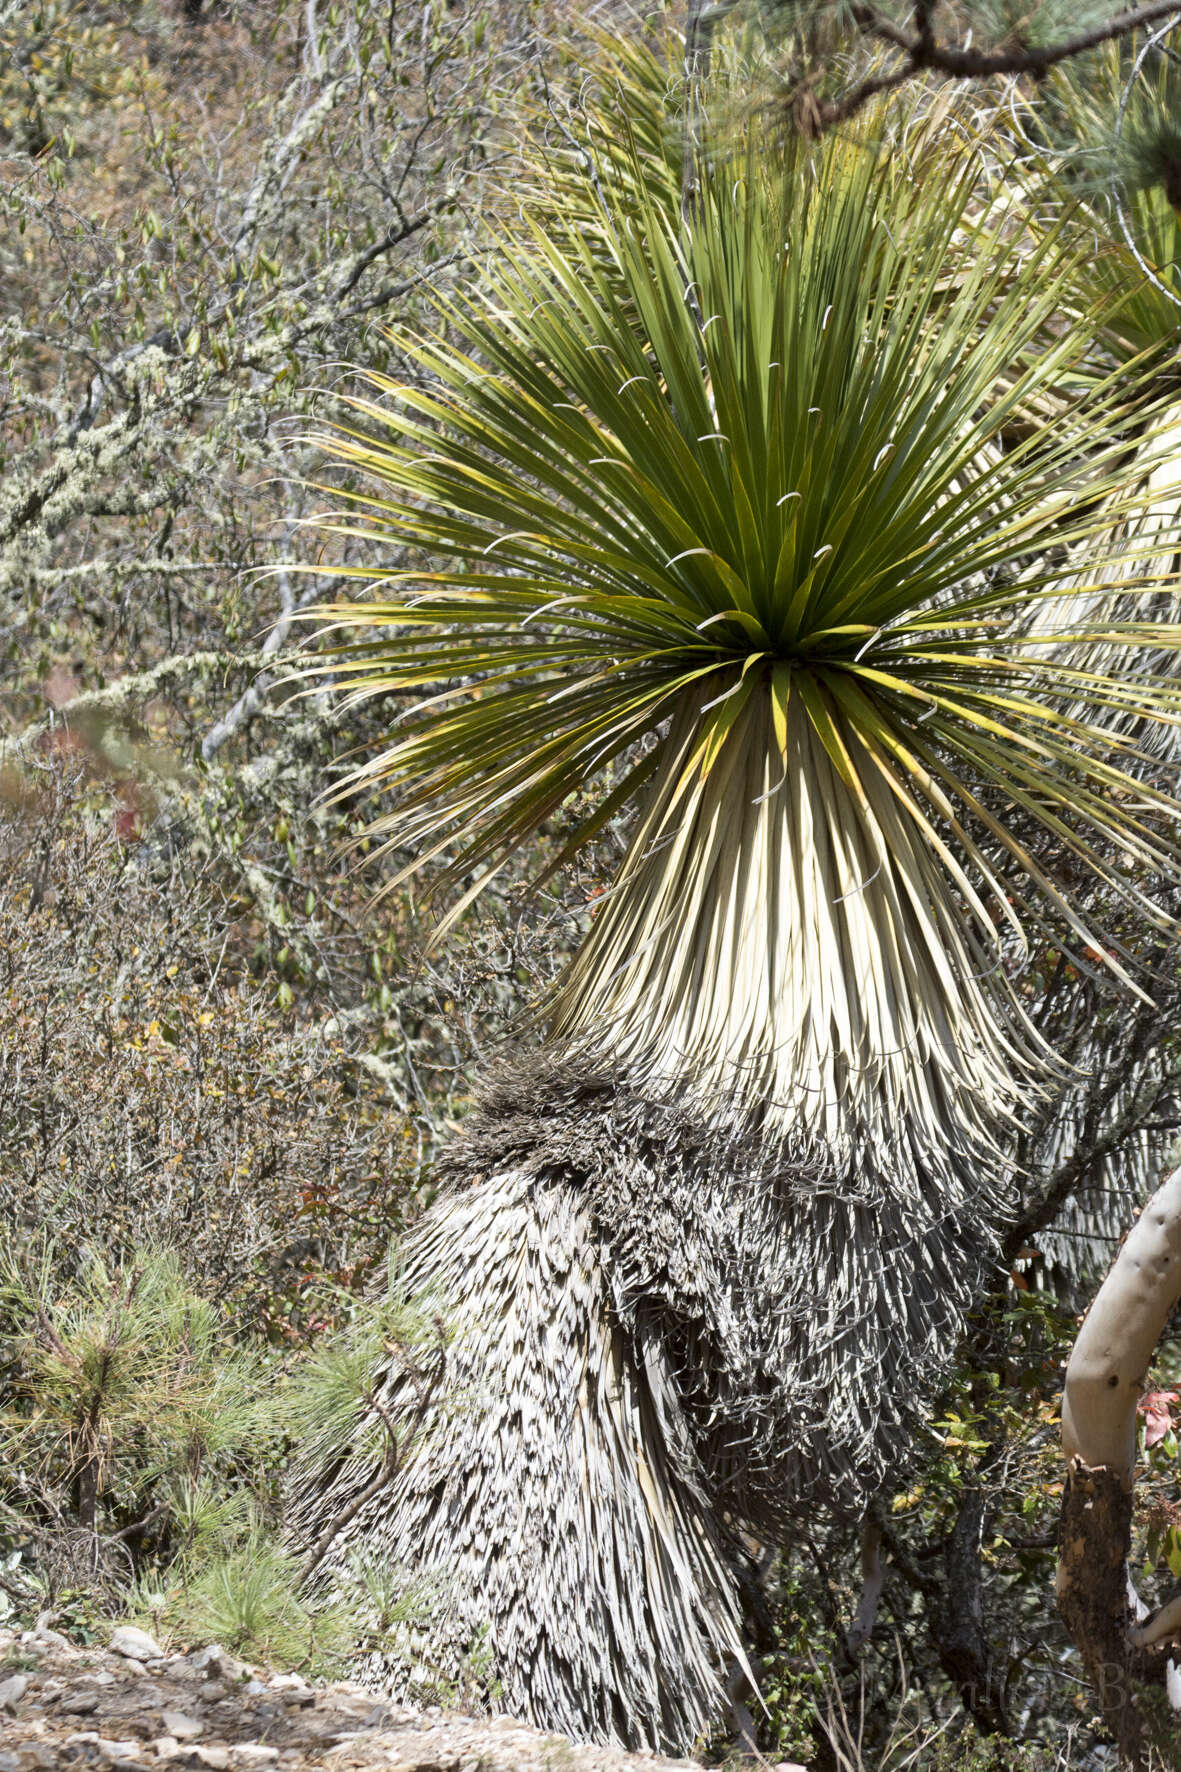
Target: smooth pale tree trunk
1128, 1661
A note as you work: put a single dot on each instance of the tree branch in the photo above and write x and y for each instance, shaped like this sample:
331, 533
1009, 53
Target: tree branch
873, 1579
114, 697
1104, 1380
957, 61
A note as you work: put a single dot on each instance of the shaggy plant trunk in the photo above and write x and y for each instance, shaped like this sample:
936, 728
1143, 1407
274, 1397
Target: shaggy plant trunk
660, 1333
1125, 1659
729, 517
573, 1564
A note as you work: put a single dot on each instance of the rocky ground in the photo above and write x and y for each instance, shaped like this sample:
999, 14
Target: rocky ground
130, 1708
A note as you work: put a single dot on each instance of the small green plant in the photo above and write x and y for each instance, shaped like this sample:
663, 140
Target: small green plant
969, 1752
330, 1394
119, 1394
247, 1597
794, 1676
236, 1580
149, 1453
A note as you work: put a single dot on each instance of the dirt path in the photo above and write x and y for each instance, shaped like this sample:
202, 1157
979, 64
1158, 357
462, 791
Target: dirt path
62, 1706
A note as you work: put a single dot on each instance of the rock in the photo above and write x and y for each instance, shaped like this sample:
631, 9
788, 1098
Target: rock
143, 1728
179, 1726
217, 1663
88, 1744
36, 1753
136, 1644
415, 1762
52, 1639
297, 1699
12, 1690
288, 1724
208, 1659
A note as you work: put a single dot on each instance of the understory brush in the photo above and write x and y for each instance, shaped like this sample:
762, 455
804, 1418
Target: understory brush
147, 1453
154, 1084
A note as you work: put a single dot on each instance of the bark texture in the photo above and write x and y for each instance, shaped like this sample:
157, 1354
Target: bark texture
964, 1651
1095, 1536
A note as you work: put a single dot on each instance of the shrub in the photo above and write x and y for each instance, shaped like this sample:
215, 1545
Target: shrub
152, 1088
148, 1452
126, 1410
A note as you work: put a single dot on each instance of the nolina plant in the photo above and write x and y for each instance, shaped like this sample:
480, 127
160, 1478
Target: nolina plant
748, 521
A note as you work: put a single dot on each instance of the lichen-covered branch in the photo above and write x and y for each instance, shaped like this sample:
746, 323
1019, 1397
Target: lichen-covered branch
95, 706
